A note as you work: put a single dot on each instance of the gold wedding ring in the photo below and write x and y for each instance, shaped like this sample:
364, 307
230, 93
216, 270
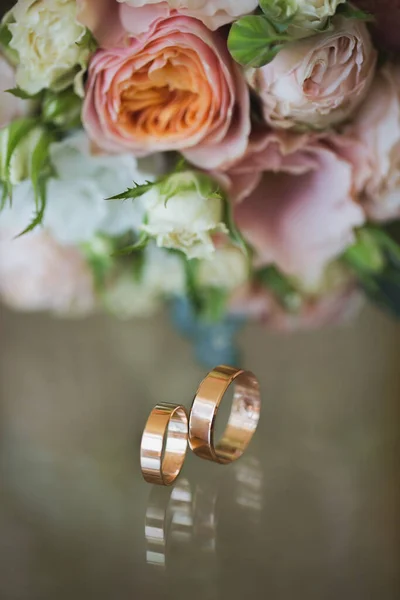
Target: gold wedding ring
243, 420
164, 444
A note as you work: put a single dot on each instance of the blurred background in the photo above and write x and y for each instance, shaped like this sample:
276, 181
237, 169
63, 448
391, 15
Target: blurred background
310, 511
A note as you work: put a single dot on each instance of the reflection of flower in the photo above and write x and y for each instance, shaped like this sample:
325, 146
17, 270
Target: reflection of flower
376, 128
301, 220
10, 106
162, 276
181, 214
175, 88
320, 80
48, 39
38, 274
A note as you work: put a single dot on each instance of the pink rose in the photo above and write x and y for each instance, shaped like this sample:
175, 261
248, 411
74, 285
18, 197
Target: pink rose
318, 81
176, 88
102, 18
37, 274
110, 20
331, 308
268, 150
375, 152
10, 107
302, 219
138, 15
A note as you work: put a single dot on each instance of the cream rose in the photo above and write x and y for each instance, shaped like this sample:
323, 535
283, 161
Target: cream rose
184, 215
311, 15
318, 81
47, 36
228, 269
376, 155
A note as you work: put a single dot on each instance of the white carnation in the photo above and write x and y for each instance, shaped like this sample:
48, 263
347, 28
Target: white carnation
163, 276
181, 215
48, 39
228, 269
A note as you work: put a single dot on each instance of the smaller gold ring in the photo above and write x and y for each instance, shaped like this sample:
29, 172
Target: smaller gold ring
243, 419
164, 444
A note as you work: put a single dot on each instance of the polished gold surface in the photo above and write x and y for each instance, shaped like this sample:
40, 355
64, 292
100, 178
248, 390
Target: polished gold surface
243, 419
310, 511
164, 444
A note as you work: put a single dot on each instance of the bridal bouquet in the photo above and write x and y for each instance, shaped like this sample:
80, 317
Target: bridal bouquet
239, 156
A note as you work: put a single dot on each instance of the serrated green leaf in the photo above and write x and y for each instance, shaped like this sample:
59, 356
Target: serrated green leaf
39, 160
254, 42
134, 192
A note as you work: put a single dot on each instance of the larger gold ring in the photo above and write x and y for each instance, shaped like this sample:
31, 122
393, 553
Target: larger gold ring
164, 444
243, 420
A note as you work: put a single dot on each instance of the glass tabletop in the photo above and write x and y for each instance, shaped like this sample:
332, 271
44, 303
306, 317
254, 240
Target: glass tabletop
310, 511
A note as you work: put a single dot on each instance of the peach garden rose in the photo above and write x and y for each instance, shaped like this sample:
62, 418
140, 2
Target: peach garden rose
175, 88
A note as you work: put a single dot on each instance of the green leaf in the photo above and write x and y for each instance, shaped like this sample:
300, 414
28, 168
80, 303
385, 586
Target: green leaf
62, 109
192, 290
281, 286
141, 243
98, 255
38, 218
214, 304
234, 233
352, 12
380, 279
19, 93
16, 131
254, 42
134, 192
366, 254
40, 162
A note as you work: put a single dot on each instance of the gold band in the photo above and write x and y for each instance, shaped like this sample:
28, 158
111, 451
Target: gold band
243, 419
164, 444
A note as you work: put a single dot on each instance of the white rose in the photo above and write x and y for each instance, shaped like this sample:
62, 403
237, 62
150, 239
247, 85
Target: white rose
77, 208
311, 15
48, 39
306, 15
228, 269
184, 213
37, 274
163, 276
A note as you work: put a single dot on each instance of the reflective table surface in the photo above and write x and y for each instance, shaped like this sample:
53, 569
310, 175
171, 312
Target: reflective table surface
312, 510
